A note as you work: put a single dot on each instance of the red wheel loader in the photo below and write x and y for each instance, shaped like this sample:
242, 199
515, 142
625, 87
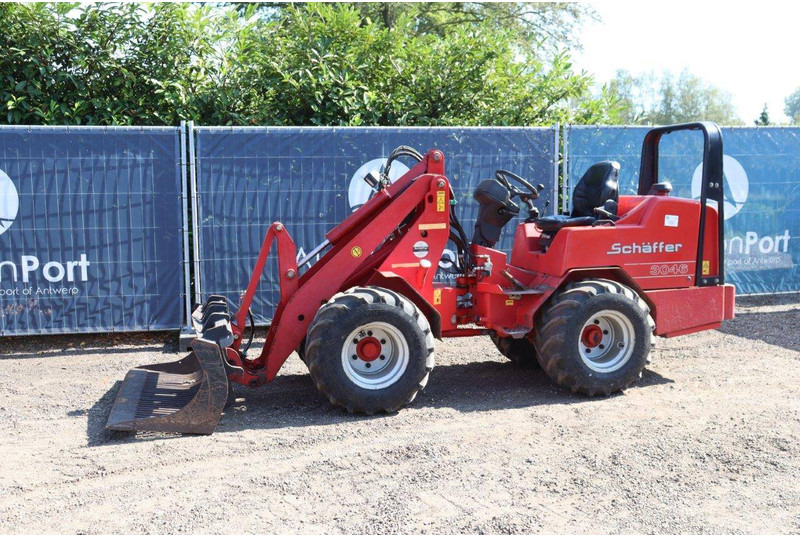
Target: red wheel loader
583, 295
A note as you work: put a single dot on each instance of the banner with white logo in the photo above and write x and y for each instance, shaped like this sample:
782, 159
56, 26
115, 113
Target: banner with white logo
312, 178
90, 229
761, 191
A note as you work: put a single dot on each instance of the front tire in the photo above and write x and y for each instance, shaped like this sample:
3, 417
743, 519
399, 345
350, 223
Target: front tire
369, 350
595, 336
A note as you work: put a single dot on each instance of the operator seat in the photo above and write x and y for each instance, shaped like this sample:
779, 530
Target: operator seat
598, 188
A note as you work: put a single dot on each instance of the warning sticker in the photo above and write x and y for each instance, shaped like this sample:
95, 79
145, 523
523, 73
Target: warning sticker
440, 204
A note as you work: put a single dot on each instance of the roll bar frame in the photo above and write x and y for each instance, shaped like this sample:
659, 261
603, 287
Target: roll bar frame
711, 187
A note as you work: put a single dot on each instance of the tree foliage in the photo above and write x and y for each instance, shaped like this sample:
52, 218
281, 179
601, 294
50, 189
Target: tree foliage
110, 64
792, 109
545, 26
293, 64
649, 99
763, 118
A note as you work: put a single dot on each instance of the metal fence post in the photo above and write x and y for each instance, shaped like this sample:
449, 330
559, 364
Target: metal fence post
187, 330
198, 279
557, 129
565, 171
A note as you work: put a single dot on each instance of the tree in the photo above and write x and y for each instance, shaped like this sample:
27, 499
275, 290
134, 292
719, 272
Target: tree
634, 97
103, 63
324, 64
548, 26
763, 118
650, 99
295, 64
793, 107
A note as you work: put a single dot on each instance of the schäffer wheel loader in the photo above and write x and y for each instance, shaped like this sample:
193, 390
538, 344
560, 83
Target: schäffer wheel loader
583, 295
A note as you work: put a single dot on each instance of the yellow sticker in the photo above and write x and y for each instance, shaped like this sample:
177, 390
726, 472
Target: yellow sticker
431, 226
406, 265
356, 252
509, 302
440, 201
437, 296
706, 267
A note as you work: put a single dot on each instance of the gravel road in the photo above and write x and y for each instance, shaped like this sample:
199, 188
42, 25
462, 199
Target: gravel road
706, 442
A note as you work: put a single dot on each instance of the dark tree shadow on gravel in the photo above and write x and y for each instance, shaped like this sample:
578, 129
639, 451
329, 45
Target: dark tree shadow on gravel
789, 298
44, 346
292, 400
97, 415
779, 328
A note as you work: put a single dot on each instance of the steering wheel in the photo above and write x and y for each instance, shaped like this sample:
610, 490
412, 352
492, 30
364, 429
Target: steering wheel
503, 175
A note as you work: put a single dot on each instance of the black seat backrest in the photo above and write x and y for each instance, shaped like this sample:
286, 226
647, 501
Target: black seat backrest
599, 184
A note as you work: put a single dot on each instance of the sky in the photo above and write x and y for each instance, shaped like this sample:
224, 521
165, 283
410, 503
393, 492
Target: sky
750, 49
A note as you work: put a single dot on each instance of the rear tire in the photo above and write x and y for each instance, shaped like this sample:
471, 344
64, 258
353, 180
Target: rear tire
594, 336
369, 350
519, 351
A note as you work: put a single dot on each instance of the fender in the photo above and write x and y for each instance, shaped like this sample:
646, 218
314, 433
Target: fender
614, 273
401, 286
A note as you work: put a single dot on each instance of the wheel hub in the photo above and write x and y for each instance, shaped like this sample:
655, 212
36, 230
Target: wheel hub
375, 355
592, 336
368, 349
606, 341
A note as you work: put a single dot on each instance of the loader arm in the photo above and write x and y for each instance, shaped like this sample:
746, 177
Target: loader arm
189, 395
360, 243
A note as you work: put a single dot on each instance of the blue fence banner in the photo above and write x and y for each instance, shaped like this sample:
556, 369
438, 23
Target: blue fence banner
91, 229
312, 178
762, 191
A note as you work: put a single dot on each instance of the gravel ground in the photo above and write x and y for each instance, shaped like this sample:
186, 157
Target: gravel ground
707, 442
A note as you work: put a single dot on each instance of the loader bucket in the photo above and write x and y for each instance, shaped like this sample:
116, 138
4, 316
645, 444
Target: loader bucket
186, 396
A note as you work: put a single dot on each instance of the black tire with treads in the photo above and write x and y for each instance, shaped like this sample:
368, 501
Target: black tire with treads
337, 319
519, 351
558, 331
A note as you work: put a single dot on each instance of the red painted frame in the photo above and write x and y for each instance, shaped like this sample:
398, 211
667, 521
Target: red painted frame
359, 245
396, 239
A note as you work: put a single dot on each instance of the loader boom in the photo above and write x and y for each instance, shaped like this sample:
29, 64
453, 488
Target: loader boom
357, 245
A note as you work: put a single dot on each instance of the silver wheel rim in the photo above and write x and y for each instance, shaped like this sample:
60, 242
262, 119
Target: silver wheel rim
370, 368
606, 341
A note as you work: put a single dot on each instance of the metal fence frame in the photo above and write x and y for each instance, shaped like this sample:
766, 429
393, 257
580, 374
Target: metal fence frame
181, 162
190, 194
185, 230
195, 228
193, 130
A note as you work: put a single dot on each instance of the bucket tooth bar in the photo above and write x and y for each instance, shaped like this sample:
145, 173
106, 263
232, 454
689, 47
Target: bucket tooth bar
212, 321
186, 396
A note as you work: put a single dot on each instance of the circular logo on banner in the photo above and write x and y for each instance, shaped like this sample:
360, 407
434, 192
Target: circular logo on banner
735, 186
9, 202
359, 191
